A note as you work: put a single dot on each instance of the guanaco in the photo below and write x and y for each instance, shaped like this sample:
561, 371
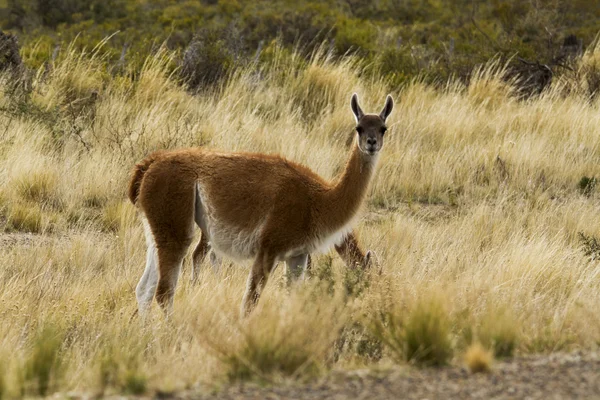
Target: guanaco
248, 206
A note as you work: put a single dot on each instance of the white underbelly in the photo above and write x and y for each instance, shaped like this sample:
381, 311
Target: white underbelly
232, 241
320, 243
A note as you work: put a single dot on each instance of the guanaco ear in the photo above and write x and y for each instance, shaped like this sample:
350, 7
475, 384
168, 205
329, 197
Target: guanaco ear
358, 113
387, 108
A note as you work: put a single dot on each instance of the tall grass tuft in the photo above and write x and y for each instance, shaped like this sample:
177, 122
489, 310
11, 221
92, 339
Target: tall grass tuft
3, 383
37, 186
421, 335
44, 366
119, 366
499, 331
291, 340
427, 334
25, 218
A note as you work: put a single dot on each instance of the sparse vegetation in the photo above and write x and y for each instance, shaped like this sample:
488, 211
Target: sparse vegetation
478, 193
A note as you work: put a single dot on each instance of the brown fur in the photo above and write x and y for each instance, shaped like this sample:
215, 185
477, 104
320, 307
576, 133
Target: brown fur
254, 205
138, 173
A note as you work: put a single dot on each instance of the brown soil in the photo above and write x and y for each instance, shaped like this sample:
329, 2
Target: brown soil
556, 376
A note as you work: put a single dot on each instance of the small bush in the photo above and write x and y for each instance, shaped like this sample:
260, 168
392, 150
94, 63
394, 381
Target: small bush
95, 199
478, 358
356, 281
587, 185
210, 57
10, 58
590, 245
323, 273
44, 367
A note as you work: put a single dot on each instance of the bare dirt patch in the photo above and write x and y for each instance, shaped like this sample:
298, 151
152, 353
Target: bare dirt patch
556, 376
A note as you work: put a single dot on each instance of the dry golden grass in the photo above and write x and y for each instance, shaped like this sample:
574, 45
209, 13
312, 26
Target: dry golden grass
478, 358
475, 204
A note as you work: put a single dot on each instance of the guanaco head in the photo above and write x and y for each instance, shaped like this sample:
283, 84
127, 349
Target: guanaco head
371, 127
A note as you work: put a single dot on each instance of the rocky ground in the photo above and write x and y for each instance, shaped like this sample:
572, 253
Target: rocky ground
556, 376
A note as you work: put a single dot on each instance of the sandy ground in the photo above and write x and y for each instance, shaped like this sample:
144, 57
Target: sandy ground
556, 376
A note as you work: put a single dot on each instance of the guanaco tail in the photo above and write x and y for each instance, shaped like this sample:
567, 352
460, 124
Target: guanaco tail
248, 206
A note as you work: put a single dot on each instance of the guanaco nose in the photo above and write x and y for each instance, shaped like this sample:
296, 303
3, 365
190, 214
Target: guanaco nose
371, 141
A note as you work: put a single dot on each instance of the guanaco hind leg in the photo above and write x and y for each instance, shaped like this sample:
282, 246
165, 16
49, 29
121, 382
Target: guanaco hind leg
170, 257
146, 288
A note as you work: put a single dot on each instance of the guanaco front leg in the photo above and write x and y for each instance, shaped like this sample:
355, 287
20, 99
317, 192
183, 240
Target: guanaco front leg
257, 279
349, 251
295, 267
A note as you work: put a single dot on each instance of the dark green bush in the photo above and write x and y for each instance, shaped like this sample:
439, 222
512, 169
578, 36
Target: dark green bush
210, 57
400, 40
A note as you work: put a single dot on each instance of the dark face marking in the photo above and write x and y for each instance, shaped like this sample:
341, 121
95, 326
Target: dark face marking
371, 127
371, 130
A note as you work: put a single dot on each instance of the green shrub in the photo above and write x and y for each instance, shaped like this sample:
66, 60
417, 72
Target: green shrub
590, 245
587, 185
355, 35
210, 57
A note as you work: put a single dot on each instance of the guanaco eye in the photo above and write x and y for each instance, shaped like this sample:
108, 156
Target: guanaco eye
360, 130
383, 130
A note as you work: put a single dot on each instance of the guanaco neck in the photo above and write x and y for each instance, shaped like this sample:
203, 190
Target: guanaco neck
345, 197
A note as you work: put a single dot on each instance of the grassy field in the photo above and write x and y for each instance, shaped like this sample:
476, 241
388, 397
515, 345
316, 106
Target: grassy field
482, 217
